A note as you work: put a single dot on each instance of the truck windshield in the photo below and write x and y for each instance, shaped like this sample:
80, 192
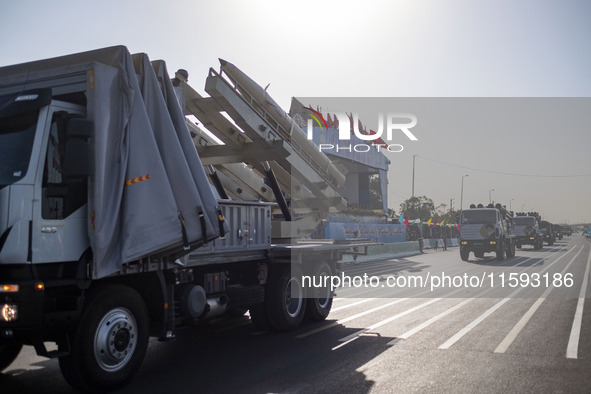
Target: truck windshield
524, 221
479, 217
16, 143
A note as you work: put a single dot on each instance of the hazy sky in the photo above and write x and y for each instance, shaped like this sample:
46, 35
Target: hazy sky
455, 48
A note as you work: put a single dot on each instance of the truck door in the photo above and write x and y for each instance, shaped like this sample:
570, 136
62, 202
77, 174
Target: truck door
59, 231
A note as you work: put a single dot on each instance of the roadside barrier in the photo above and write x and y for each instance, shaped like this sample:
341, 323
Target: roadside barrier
385, 251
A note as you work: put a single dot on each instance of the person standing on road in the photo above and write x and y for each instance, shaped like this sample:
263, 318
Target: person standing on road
436, 241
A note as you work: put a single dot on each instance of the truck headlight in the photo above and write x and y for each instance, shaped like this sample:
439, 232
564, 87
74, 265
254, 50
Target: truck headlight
9, 312
8, 288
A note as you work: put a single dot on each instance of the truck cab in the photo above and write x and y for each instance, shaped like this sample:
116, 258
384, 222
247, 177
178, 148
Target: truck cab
485, 230
43, 200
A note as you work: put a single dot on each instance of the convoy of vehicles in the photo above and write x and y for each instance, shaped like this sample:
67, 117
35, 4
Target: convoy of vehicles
486, 229
111, 232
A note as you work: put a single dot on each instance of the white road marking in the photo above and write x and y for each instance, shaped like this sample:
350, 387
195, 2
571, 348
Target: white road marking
348, 338
447, 344
432, 320
573, 341
505, 343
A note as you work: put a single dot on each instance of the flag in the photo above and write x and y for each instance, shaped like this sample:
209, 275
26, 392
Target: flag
441, 224
429, 222
435, 224
406, 222
401, 218
458, 227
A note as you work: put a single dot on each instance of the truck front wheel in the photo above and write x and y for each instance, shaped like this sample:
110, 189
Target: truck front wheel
9, 351
109, 345
511, 249
501, 250
285, 300
464, 254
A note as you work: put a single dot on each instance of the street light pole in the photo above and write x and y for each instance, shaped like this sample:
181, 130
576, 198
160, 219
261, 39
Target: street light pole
462, 193
490, 195
413, 175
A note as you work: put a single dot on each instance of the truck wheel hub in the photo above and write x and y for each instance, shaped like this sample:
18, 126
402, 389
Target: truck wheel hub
115, 339
293, 297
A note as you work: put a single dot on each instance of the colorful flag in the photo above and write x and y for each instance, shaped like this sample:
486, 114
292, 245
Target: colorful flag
441, 224
401, 218
406, 222
429, 222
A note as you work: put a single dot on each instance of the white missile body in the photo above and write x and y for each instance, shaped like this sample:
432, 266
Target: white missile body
294, 134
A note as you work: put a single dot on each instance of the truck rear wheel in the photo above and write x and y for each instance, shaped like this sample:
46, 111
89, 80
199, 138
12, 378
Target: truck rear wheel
285, 300
511, 249
9, 351
319, 303
109, 345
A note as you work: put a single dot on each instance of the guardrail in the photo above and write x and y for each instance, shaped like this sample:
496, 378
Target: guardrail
385, 251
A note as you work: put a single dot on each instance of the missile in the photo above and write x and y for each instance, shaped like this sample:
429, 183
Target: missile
247, 87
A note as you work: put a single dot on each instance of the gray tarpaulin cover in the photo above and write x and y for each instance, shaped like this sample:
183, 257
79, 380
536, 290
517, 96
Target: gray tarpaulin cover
147, 178
154, 180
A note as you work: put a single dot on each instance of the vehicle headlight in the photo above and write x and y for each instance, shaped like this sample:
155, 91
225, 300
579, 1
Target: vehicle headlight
8, 288
9, 312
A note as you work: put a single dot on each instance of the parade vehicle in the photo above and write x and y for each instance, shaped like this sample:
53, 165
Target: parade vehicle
558, 232
526, 230
547, 230
486, 229
120, 219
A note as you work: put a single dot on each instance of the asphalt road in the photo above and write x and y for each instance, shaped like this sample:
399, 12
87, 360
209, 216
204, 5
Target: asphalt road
464, 337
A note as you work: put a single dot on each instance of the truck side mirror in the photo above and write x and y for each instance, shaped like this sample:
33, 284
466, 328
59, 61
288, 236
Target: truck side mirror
79, 128
77, 149
76, 158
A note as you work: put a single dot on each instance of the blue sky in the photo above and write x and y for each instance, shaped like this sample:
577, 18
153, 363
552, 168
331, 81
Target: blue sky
456, 48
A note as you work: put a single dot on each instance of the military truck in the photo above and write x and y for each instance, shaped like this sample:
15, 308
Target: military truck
547, 230
110, 231
558, 232
527, 230
486, 229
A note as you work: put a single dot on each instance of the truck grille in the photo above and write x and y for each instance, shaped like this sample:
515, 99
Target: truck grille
476, 231
522, 230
